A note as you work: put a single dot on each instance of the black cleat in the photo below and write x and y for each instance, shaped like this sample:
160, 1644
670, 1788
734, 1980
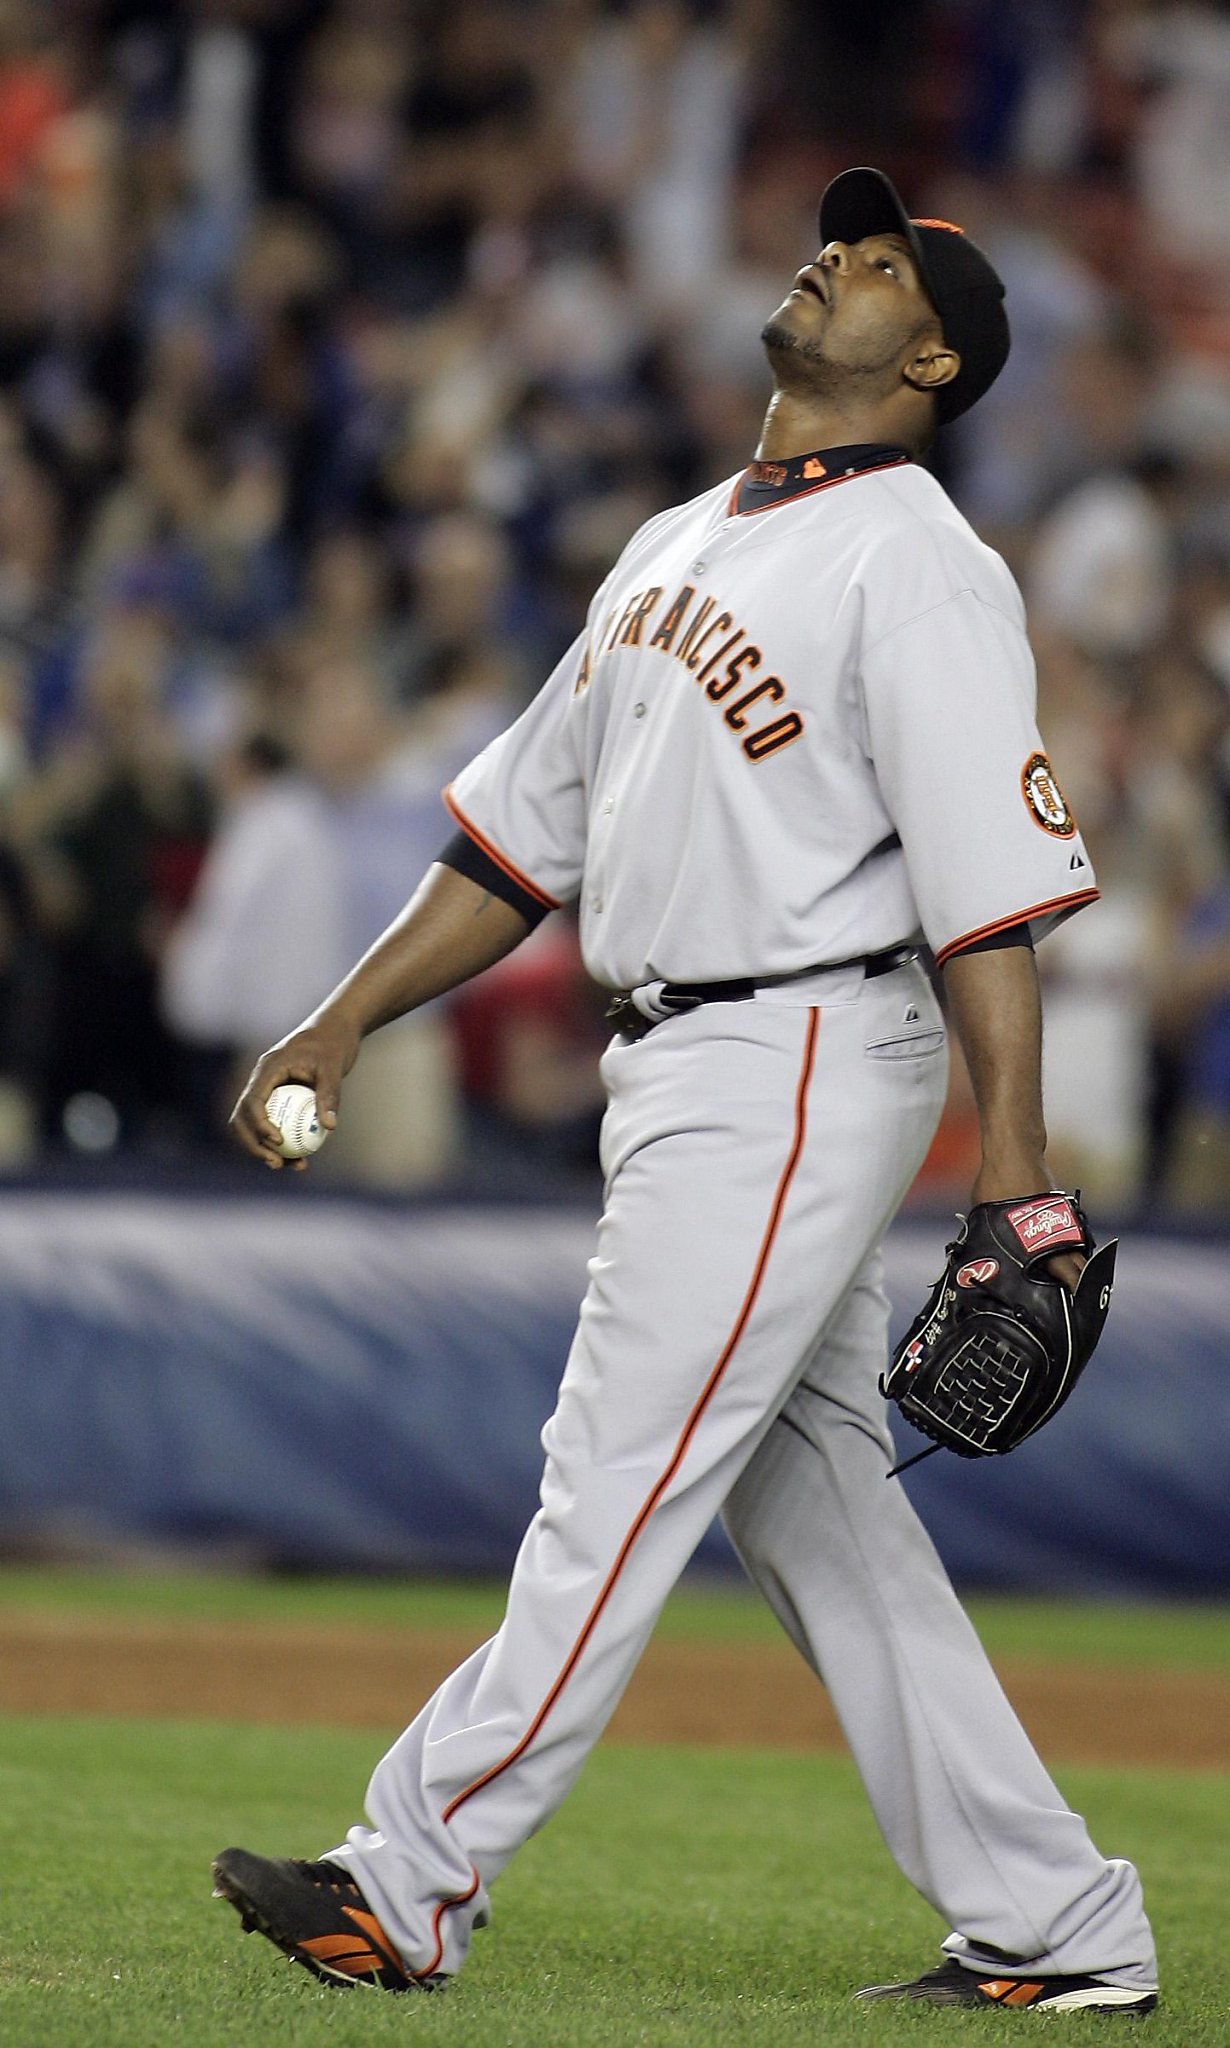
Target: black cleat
316, 1914
953, 1984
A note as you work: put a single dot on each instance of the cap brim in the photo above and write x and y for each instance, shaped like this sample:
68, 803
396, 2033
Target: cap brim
864, 202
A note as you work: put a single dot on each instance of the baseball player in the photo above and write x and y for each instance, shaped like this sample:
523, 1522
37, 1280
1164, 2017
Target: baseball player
795, 740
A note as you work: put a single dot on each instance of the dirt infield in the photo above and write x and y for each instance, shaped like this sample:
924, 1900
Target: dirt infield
700, 1692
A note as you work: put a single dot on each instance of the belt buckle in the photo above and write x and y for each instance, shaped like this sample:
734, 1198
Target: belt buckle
627, 1019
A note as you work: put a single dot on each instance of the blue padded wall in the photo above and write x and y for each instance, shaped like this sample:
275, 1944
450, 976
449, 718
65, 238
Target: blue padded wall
353, 1385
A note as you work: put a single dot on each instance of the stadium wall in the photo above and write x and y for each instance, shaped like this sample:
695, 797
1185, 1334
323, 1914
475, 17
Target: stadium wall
339, 1384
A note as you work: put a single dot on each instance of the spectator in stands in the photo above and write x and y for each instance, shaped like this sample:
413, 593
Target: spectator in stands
25, 1017
312, 862
1184, 852
266, 922
113, 833
34, 613
460, 571
33, 95
1101, 568
656, 103
348, 605
1197, 1003
530, 1033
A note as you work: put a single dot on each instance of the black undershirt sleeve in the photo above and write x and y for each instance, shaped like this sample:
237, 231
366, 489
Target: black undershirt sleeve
998, 942
467, 858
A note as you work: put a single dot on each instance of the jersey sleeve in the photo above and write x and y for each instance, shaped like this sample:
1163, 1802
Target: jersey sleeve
522, 800
988, 838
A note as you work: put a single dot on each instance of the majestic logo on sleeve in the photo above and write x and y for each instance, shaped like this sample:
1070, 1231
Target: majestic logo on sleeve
717, 654
1046, 802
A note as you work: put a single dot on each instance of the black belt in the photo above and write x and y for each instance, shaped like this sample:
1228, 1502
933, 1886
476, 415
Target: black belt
680, 996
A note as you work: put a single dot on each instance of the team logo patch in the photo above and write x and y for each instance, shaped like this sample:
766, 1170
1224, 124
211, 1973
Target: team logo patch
978, 1273
1048, 806
1044, 1225
813, 469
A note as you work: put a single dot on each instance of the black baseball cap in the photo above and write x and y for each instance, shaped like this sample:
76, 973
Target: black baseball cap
963, 286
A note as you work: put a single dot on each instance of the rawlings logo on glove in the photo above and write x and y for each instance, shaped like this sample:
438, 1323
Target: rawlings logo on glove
1046, 1224
1001, 1343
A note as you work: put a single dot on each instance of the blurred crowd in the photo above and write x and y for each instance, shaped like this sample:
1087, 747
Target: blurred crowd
343, 343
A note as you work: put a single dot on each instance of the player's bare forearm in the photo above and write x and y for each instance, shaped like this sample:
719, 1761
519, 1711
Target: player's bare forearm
450, 930
996, 1009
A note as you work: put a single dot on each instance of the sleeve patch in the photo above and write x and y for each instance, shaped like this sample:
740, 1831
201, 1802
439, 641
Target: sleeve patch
1044, 799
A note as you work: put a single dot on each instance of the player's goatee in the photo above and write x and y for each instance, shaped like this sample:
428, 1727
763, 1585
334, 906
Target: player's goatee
824, 378
777, 336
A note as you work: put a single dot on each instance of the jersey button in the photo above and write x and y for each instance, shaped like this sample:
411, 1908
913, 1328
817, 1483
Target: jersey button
698, 568
595, 902
638, 711
608, 807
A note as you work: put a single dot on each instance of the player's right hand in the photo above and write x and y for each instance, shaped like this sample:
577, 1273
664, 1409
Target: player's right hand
319, 1054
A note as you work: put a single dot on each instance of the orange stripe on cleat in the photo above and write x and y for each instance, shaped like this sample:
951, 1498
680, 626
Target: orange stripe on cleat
368, 1924
1024, 1994
998, 1987
343, 1949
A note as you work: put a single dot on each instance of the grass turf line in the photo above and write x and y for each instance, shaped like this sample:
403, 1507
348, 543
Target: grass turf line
1149, 1635
680, 1897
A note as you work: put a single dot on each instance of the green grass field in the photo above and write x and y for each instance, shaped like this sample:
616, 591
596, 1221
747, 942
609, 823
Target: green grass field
679, 1897
1169, 1635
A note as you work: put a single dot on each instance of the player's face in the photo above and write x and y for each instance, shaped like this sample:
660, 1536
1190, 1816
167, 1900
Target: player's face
857, 307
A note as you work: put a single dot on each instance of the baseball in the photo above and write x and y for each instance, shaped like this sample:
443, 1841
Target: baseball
292, 1108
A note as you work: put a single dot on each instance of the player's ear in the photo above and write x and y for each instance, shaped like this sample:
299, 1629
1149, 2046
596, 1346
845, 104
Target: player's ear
931, 364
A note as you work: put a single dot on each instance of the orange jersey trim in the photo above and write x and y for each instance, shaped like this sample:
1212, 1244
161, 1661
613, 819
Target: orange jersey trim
493, 853
830, 484
1003, 924
687, 1433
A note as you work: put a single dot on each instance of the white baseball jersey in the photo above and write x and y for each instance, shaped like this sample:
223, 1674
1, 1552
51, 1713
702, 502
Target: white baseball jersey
788, 735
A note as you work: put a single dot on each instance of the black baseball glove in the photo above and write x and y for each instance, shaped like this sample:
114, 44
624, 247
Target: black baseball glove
1000, 1343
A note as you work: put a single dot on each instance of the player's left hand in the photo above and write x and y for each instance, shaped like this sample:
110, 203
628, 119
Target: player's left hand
1000, 1345
999, 1183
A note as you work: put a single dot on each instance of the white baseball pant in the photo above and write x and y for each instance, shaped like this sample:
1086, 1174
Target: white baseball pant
726, 1356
